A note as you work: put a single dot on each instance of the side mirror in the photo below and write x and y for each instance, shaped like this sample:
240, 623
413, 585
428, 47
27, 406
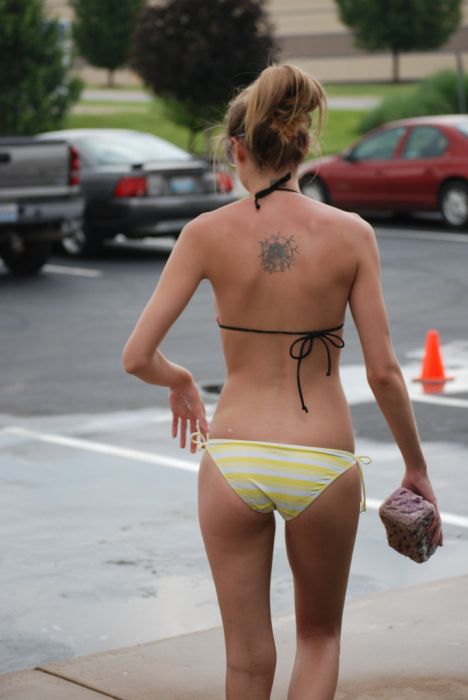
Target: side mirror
349, 156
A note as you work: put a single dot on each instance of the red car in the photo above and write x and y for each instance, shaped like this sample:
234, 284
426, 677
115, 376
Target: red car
418, 164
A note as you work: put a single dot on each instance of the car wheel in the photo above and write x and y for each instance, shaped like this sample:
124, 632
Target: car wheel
26, 258
81, 240
312, 186
454, 204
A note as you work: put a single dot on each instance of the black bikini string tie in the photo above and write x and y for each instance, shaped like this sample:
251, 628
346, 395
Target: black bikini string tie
306, 345
274, 186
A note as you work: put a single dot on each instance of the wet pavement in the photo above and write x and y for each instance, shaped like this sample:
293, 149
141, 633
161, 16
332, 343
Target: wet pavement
101, 545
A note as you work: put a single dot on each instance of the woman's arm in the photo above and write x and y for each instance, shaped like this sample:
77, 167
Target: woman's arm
382, 368
180, 278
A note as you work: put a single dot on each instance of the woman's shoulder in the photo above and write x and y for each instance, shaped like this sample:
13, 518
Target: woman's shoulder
345, 224
217, 219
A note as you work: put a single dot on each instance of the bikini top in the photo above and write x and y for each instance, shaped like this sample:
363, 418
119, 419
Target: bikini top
274, 186
303, 345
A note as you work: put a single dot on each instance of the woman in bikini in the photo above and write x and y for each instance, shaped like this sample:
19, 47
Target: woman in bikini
283, 269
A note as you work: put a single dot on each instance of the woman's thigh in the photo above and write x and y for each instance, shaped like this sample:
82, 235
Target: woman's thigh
239, 544
320, 543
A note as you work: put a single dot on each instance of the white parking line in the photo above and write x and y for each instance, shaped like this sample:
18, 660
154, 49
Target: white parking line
163, 460
103, 448
447, 518
73, 271
423, 235
441, 401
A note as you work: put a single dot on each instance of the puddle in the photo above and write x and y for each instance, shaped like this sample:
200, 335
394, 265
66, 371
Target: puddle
211, 389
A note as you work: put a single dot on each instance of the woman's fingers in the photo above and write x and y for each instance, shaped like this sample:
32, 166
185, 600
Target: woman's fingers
183, 432
193, 429
438, 535
193, 418
436, 529
203, 423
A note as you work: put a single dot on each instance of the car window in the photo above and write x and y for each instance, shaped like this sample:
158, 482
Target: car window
463, 128
379, 146
115, 149
424, 142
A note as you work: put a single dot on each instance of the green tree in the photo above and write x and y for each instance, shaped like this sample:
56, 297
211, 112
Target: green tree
36, 90
400, 25
195, 54
102, 31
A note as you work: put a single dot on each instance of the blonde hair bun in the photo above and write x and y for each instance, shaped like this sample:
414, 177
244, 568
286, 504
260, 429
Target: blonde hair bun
274, 114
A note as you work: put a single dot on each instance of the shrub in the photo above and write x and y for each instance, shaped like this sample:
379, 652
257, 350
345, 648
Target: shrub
438, 94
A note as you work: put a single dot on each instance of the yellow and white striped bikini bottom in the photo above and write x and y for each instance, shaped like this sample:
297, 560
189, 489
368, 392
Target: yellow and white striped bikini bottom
271, 475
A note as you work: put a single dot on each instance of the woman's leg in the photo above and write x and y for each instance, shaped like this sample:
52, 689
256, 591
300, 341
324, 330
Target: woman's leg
239, 544
320, 543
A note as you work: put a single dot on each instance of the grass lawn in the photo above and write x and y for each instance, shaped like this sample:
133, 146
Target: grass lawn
339, 131
121, 104
148, 117
332, 89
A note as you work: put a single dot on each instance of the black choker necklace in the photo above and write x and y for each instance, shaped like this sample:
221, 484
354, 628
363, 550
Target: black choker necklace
274, 186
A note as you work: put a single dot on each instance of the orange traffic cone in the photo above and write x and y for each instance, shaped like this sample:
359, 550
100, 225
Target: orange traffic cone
432, 371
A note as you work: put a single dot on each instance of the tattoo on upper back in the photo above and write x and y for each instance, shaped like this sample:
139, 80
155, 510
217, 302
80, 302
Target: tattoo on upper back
277, 253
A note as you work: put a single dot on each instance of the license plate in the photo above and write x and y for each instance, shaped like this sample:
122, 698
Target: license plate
8, 213
182, 185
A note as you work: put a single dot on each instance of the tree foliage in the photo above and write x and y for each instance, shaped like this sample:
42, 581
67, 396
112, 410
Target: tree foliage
195, 54
437, 94
400, 25
102, 31
35, 88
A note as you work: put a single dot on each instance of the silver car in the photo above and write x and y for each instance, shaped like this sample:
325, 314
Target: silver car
138, 185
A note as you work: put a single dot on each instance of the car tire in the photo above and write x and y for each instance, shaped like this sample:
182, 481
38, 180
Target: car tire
312, 186
81, 241
27, 258
453, 204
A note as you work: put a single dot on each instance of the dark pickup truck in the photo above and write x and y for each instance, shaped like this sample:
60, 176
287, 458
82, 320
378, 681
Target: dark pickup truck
40, 199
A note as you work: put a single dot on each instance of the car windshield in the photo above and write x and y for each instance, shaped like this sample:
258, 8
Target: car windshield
116, 149
463, 127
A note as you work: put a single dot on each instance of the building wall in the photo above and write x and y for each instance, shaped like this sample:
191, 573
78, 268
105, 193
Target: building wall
312, 36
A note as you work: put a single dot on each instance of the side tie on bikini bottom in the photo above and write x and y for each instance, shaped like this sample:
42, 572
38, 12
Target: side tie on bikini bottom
268, 475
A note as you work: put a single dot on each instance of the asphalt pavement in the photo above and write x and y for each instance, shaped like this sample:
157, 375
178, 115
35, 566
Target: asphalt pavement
100, 542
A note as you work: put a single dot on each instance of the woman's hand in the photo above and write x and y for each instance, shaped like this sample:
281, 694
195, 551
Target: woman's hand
419, 483
187, 407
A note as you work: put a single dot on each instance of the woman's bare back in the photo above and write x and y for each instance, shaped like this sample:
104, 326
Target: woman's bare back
288, 266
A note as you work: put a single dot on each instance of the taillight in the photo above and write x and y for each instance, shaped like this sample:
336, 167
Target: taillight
224, 182
131, 187
74, 167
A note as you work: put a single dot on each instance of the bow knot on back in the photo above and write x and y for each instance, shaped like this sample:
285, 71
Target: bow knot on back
303, 346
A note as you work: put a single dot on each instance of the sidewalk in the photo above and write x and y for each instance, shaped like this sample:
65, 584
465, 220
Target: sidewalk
346, 102
410, 644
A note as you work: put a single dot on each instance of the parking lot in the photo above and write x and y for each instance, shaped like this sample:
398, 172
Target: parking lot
101, 546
